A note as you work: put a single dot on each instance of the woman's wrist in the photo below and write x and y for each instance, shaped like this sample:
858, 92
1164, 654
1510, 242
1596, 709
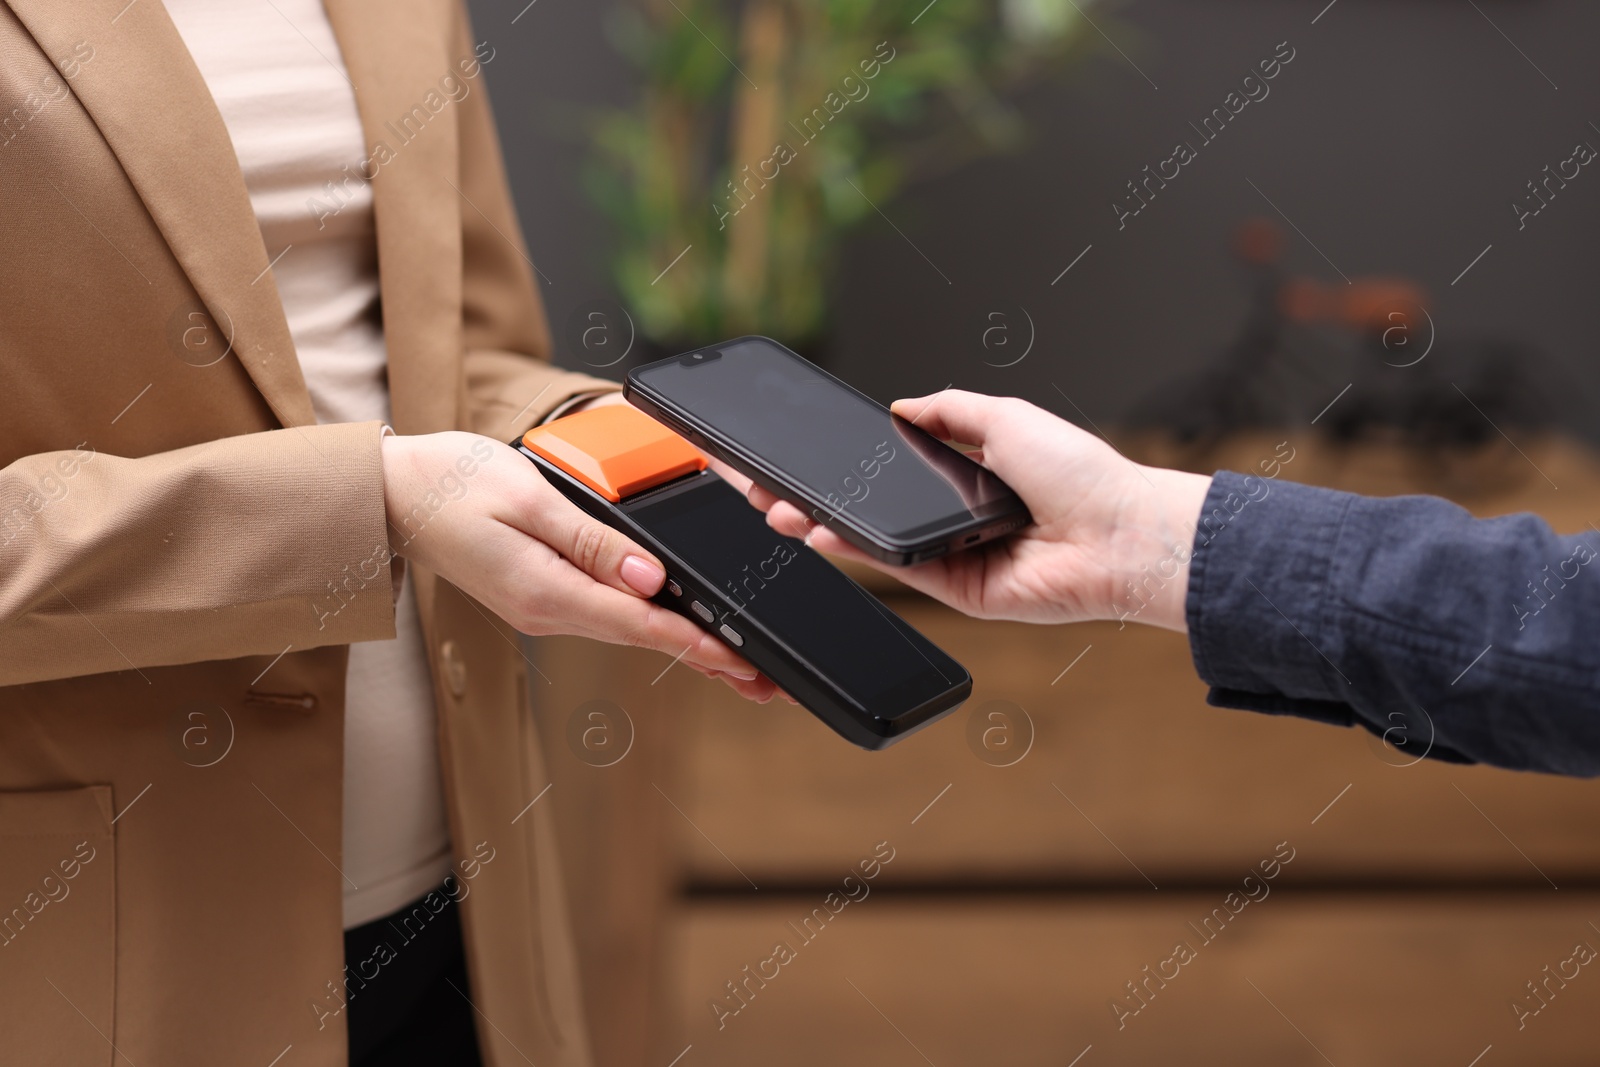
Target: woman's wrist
585, 401
395, 451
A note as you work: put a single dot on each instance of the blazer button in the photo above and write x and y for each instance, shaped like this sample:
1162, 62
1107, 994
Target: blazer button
455, 671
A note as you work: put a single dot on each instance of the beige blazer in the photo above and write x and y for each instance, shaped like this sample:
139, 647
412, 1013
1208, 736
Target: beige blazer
185, 554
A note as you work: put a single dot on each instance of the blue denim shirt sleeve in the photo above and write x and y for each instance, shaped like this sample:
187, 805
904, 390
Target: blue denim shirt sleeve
1472, 640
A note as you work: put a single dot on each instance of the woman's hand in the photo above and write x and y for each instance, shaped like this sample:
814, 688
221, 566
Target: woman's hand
478, 514
1110, 539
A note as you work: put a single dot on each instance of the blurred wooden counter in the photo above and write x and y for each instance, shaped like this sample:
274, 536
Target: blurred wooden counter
1040, 868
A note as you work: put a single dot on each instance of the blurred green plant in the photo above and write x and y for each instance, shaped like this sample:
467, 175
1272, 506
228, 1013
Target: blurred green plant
767, 129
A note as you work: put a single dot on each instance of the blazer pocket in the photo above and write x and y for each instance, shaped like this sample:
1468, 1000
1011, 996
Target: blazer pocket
57, 926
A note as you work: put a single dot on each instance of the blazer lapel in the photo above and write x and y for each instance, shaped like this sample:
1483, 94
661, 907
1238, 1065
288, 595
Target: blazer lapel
396, 61
154, 110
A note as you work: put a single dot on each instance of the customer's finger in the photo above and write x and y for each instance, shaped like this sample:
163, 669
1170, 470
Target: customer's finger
728, 474
829, 543
789, 520
954, 414
761, 498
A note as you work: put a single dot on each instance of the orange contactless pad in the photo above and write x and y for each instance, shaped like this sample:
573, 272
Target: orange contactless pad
616, 450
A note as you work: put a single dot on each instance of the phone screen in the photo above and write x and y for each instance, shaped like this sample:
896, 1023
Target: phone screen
847, 453
824, 618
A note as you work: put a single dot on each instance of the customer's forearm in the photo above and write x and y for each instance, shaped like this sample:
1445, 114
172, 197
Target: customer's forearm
1476, 637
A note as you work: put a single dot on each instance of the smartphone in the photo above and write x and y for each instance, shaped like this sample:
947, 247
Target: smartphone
886, 486
829, 643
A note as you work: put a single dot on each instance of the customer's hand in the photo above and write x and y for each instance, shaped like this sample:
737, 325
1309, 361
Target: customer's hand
1110, 538
480, 515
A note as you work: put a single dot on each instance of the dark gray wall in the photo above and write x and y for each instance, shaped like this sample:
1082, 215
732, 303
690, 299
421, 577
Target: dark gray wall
1395, 141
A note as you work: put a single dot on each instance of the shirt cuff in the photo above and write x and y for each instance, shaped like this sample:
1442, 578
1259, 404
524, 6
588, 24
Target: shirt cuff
397, 563
1257, 605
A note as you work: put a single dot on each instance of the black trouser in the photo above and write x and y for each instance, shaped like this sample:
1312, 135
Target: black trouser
406, 1012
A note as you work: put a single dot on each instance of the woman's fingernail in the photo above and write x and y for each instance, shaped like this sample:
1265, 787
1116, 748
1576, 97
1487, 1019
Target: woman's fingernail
642, 576
741, 675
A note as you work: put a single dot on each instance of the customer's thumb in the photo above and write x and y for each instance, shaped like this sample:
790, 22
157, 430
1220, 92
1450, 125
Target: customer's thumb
953, 414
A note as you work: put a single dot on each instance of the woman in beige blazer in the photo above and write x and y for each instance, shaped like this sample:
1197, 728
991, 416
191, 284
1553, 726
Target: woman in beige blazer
180, 536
